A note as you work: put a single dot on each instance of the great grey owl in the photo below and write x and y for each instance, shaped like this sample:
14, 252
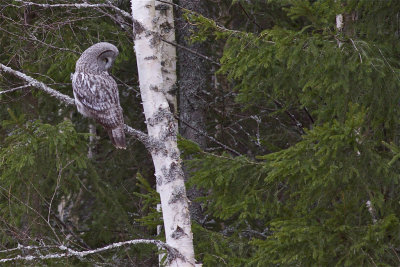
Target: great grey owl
96, 92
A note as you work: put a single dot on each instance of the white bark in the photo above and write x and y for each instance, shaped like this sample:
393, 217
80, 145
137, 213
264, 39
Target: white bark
164, 19
165, 27
162, 127
74, 253
76, 5
339, 22
92, 131
371, 211
339, 27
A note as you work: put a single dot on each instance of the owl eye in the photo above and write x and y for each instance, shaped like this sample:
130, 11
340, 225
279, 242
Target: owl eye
106, 60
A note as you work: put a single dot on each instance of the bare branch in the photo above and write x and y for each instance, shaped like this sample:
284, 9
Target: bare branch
209, 137
32, 209
118, 21
35, 83
173, 253
80, 5
219, 27
299, 125
20, 247
61, 169
125, 26
14, 89
141, 136
248, 16
192, 51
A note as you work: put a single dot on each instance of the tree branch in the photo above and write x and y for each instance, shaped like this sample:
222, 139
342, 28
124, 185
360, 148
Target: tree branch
35, 83
209, 137
81, 5
299, 125
172, 252
116, 20
34, 39
141, 136
219, 27
14, 89
248, 16
192, 51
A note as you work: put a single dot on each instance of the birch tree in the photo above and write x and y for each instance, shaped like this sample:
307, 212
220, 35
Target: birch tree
157, 74
162, 126
306, 175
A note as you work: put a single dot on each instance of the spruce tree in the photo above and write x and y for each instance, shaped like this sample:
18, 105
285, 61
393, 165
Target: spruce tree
323, 191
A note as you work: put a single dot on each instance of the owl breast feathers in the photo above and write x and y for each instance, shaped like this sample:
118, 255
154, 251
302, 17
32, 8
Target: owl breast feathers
96, 92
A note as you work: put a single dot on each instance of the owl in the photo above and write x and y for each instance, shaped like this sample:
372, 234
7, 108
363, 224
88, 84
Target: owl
96, 92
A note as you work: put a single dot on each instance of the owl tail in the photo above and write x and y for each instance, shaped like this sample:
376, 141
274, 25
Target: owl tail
117, 136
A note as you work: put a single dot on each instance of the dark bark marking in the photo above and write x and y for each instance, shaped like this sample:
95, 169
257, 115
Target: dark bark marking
178, 233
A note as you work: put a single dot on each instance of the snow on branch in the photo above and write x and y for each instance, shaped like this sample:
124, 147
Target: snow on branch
66, 252
80, 5
141, 136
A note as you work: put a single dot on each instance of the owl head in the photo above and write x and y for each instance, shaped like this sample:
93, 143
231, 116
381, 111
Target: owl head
97, 59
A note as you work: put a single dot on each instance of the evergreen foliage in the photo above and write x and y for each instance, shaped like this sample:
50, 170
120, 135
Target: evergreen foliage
326, 192
311, 112
51, 192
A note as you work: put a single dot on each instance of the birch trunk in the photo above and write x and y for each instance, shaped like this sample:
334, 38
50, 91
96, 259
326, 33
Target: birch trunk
162, 127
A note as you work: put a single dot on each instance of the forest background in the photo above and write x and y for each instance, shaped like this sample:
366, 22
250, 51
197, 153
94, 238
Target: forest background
289, 126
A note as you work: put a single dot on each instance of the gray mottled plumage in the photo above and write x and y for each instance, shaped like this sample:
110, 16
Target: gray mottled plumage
96, 92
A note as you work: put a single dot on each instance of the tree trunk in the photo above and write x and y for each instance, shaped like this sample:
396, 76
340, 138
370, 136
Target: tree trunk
162, 127
194, 77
